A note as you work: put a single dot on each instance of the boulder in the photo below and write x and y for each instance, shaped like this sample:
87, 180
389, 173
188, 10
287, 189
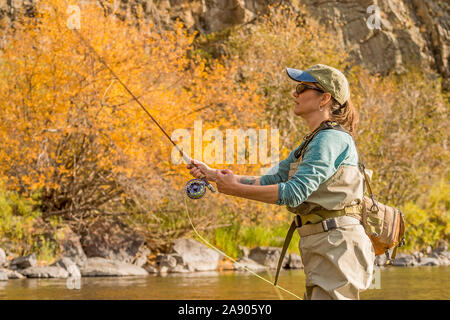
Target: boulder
244, 251
445, 261
3, 260
112, 240
445, 254
150, 269
196, 256
74, 271
45, 272
418, 256
171, 263
444, 257
23, 262
141, 256
294, 262
64, 262
70, 245
163, 270
4, 275
100, 267
430, 262
179, 269
70, 266
441, 247
267, 256
250, 264
436, 255
14, 274
404, 260
441, 256
169, 260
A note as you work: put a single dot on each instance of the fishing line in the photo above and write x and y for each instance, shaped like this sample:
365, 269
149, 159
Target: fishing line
194, 188
227, 256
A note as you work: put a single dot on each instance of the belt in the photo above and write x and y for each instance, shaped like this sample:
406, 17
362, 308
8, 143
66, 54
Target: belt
327, 225
338, 220
317, 216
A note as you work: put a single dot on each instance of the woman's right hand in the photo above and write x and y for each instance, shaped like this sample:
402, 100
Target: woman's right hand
200, 170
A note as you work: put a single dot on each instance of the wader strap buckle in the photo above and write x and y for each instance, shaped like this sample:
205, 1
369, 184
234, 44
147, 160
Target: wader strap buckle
296, 223
329, 224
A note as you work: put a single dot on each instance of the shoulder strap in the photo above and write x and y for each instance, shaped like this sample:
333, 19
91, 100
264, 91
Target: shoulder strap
327, 124
362, 168
366, 180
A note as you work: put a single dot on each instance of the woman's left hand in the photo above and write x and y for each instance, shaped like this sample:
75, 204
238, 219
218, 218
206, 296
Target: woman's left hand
226, 181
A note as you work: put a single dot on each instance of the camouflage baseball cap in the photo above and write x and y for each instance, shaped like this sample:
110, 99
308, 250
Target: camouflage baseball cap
331, 79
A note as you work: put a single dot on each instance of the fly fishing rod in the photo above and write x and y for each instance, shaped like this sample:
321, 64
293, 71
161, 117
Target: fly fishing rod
195, 188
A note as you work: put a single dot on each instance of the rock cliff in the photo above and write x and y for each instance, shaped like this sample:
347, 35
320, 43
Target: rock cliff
384, 38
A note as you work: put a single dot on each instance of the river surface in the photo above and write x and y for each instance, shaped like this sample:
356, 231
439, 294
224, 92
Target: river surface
421, 283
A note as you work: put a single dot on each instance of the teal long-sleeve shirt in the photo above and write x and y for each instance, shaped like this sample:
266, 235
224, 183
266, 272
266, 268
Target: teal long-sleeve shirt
325, 153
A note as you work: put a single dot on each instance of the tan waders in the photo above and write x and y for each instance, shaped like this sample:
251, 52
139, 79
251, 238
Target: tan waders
338, 262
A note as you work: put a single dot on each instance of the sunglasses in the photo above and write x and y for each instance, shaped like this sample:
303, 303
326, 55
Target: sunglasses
302, 87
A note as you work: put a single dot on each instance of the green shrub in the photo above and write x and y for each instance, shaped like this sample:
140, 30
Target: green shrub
427, 221
21, 228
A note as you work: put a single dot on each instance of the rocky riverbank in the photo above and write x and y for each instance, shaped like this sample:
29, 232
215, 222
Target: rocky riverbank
185, 255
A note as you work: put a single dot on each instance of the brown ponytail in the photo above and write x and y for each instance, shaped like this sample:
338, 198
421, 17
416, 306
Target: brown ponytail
346, 115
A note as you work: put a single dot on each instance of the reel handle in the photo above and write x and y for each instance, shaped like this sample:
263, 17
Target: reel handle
209, 185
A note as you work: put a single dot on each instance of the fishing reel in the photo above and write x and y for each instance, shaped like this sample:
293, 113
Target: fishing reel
196, 188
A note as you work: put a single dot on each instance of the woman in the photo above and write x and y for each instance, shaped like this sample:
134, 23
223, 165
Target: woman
322, 184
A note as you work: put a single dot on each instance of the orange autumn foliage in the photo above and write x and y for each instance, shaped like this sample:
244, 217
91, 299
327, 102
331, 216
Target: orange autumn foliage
68, 128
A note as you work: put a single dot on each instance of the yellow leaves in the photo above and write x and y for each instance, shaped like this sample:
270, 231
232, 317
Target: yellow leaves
54, 89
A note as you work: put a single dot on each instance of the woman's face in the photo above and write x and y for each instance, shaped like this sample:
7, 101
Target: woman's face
308, 101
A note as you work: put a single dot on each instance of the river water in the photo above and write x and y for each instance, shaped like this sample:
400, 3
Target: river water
393, 283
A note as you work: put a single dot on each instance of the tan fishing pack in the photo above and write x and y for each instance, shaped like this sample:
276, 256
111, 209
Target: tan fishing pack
384, 224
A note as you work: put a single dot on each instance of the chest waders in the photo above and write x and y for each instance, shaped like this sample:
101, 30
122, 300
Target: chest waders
312, 217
